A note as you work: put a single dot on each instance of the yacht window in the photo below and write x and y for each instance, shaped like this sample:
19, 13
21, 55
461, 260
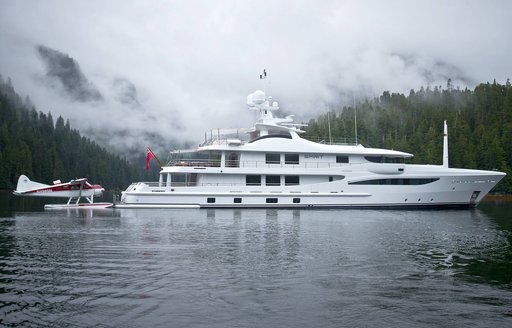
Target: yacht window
183, 179
291, 158
253, 180
384, 159
273, 180
273, 158
210, 200
201, 159
341, 159
281, 135
232, 160
296, 200
271, 200
396, 181
237, 200
291, 180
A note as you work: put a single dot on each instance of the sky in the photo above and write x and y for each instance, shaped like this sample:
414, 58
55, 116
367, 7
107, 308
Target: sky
193, 63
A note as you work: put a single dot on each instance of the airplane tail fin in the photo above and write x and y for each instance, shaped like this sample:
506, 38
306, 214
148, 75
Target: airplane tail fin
24, 184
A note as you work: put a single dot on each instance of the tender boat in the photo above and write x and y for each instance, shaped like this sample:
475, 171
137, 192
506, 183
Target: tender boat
270, 165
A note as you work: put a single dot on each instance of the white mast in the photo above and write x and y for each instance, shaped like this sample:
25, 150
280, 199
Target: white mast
355, 116
445, 145
329, 126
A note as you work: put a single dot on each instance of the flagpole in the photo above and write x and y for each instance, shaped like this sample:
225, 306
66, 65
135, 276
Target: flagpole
157, 159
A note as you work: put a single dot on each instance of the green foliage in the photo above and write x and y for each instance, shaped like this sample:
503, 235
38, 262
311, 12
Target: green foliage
479, 122
31, 144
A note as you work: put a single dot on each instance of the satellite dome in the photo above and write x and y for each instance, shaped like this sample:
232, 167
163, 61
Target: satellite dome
258, 97
250, 103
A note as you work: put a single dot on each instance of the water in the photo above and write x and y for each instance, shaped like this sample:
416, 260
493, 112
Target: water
256, 268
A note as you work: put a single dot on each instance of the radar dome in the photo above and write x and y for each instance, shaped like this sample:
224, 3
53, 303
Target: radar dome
258, 97
249, 101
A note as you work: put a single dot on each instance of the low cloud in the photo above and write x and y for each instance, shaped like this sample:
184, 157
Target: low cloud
161, 74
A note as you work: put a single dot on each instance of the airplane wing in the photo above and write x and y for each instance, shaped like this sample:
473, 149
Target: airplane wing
78, 182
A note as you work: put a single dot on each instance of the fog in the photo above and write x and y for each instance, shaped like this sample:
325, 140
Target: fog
167, 71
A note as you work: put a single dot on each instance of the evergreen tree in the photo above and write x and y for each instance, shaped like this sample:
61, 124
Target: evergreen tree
480, 125
32, 144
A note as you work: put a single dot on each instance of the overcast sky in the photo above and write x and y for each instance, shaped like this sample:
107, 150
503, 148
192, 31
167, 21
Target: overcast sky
194, 62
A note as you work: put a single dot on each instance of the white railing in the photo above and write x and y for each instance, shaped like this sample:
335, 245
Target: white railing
222, 139
194, 162
331, 141
255, 164
193, 184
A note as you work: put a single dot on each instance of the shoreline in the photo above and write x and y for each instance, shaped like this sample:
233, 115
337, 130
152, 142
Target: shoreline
497, 198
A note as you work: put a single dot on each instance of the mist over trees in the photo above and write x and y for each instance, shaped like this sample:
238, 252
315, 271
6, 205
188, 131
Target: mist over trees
31, 143
479, 129
479, 126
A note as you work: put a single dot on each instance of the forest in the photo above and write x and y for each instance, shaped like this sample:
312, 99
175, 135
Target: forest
479, 126
31, 143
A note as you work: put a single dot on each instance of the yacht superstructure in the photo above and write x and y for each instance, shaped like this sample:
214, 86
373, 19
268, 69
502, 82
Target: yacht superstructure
270, 165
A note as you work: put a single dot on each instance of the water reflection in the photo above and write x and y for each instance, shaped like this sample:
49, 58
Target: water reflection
494, 265
249, 267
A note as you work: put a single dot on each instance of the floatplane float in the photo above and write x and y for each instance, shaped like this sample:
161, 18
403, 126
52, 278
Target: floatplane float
74, 190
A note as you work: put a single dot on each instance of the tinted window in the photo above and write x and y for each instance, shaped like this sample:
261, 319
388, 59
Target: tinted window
291, 158
273, 180
273, 158
253, 180
384, 159
341, 159
290, 180
396, 181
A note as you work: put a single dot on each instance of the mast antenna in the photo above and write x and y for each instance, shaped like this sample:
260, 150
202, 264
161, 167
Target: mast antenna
329, 126
263, 76
355, 115
445, 145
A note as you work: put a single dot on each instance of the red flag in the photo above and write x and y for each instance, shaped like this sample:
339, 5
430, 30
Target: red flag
149, 156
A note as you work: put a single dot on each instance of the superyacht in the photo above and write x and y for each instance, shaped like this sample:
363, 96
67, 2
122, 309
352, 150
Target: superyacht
270, 165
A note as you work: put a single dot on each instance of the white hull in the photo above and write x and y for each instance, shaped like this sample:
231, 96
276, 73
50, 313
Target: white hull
457, 191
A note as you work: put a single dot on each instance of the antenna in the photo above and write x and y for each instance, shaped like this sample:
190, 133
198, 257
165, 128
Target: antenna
355, 115
329, 126
263, 76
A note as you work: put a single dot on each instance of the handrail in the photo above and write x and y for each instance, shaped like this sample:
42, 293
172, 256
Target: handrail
331, 141
223, 140
253, 164
251, 187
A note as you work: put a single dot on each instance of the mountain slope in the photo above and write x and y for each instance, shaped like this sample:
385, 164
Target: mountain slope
32, 144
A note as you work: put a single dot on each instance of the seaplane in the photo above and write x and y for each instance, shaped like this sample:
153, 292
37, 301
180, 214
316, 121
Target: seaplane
74, 190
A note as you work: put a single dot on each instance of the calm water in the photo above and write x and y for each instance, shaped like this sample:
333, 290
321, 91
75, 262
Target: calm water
255, 268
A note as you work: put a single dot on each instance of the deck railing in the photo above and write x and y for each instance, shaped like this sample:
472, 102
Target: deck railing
163, 186
224, 140
254, 164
